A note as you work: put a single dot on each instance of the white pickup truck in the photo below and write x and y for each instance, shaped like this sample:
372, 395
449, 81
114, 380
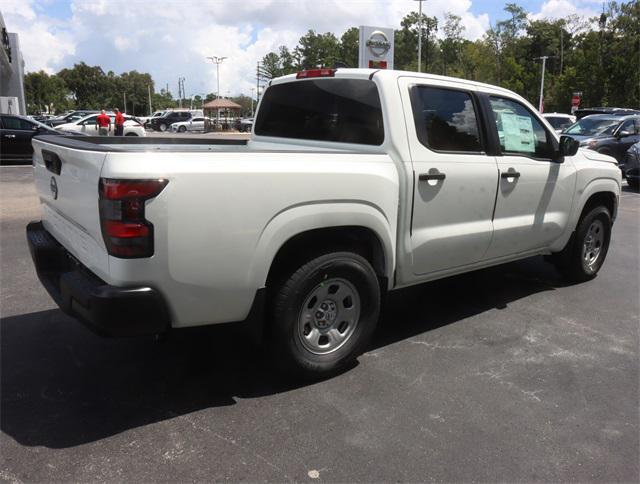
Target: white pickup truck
355, 182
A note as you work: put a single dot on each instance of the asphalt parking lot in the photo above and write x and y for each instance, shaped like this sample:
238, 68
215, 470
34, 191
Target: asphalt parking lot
504, 374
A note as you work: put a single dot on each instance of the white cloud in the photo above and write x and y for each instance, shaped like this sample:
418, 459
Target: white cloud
555, 9
43, 43
171, 39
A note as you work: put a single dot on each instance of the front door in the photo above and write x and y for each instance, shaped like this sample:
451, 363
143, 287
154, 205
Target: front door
535, 191
454, 179
631, 129
16, 138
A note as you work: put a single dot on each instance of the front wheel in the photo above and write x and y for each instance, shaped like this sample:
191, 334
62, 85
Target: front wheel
324, 314
585, 252
182, 129
163, 127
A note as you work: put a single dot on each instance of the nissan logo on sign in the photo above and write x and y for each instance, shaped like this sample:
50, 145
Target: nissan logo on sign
375, 47
378, 44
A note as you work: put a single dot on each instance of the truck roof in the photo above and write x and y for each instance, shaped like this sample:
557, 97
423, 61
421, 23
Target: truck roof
394, 75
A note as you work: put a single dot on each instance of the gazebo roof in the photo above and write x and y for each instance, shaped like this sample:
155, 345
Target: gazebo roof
221, 104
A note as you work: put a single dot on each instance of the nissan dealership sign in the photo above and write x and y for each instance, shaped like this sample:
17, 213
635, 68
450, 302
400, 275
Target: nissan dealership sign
376, 48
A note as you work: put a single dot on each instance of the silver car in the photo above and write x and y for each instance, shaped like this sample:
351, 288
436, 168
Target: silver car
194, 124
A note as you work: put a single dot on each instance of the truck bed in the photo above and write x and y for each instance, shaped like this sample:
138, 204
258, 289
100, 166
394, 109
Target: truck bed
135, 143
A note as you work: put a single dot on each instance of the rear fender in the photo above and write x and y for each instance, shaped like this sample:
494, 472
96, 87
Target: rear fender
299, 219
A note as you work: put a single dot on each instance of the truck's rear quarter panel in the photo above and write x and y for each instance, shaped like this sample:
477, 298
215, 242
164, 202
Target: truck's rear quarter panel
216, 208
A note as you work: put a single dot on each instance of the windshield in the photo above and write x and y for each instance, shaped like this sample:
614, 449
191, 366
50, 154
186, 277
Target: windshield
339, 110
41, 125
558, 122
593, 126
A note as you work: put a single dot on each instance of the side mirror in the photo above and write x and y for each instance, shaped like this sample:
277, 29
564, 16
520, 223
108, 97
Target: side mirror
568, 145
624, 133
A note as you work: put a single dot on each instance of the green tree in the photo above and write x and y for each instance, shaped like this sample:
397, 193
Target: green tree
349, 45
46, 93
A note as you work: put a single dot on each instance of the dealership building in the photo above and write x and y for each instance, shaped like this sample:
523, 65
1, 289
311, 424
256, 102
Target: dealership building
11, 73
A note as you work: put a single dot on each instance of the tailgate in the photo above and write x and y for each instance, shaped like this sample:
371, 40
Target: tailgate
68, 190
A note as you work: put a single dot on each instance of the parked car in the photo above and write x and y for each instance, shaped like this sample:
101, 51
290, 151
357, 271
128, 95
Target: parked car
16, 133
88, 125
606, 134
146, 119
582, 112
70, 117
244, 125
355, 182
164, 122
630, 167
194, 124
559, 121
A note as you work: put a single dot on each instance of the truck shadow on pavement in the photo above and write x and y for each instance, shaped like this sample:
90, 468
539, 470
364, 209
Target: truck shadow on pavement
62, 386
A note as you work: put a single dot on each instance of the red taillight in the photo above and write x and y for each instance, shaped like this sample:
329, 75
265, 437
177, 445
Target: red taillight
324, 72
126, 232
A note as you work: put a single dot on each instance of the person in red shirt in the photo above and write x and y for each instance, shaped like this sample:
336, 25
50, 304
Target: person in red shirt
103, 122
119, 129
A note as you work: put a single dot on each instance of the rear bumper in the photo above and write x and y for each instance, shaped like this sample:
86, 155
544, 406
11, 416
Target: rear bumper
107, 310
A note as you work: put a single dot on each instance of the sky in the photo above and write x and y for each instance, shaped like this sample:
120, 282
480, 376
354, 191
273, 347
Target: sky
172, 39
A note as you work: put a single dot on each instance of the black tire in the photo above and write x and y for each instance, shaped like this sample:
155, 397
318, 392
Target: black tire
290, 299
571, 262
182, 129
131, 134
634, 184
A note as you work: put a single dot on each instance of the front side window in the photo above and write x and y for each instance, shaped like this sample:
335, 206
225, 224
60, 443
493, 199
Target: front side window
519, 130
90, 121
16, 123
629, 126
445, 119
338, 110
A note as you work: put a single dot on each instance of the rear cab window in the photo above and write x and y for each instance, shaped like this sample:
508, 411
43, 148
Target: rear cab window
337, 110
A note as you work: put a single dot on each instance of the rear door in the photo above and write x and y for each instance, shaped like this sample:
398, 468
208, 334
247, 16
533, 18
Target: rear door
454, 178
535, 191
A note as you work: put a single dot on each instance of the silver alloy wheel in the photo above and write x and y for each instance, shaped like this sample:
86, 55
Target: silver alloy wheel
592, 246
329, 316
163, 127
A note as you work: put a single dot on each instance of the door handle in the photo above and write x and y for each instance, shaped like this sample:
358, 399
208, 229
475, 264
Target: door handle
510, 174
432, 176
9, 135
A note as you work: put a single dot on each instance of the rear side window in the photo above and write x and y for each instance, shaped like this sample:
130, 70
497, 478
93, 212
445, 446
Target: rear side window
445, 119
340, 110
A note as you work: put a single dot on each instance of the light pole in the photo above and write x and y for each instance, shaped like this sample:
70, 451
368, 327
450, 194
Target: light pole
541, 101
217, 61
420, 35
253, 89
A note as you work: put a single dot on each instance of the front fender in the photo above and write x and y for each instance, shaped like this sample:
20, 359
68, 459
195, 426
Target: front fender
298, 219
597, 185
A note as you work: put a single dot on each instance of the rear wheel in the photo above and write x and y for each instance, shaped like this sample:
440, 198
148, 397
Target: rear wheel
585, 252
324, 313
